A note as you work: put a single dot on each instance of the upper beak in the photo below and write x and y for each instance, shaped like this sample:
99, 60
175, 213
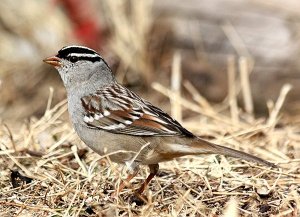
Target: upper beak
54, 61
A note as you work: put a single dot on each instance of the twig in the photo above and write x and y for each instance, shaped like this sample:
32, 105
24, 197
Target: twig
197, 96
232, 89
10, 137
246, 89
279, 103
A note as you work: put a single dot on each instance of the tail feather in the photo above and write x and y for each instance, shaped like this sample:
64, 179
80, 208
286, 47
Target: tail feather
208, 147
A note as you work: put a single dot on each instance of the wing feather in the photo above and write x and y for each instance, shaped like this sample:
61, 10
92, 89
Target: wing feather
118, 110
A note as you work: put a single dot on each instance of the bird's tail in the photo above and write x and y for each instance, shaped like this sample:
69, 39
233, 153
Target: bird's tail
211, 148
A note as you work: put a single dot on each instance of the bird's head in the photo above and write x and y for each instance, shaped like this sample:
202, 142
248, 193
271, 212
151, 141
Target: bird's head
78, 65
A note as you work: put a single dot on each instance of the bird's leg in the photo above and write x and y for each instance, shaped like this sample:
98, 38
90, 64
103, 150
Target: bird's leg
133, 170
127, 180
153, 171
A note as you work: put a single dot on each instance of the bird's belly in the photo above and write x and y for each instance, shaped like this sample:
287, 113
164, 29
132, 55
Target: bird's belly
120, 148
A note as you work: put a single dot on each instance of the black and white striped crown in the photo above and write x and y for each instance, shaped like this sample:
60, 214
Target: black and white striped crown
76, 53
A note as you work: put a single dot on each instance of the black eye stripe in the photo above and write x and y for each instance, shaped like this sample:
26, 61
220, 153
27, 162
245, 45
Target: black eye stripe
73, 59
92, 59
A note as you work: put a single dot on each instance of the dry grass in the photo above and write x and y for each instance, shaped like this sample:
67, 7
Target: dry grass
67, 179
130, 22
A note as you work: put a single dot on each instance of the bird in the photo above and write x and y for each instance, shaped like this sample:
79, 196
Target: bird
112, 120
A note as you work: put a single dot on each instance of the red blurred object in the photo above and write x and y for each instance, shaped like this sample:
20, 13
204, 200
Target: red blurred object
86, 25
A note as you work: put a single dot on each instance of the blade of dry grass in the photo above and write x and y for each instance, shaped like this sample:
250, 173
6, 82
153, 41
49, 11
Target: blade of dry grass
176, 86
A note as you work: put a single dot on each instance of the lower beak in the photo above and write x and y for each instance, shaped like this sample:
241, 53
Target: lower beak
54, 61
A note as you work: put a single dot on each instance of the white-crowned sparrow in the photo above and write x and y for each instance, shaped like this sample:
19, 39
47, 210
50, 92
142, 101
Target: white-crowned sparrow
109, 118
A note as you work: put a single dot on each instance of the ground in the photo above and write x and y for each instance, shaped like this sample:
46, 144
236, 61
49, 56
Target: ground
46, 170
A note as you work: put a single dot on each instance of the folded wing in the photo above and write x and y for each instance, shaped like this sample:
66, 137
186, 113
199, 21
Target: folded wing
118, 110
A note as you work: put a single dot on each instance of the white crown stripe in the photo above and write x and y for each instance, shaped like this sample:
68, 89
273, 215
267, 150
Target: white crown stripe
83, 55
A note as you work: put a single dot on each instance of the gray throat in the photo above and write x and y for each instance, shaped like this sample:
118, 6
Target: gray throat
93, 84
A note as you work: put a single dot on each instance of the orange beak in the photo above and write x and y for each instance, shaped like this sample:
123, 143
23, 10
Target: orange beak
54, 61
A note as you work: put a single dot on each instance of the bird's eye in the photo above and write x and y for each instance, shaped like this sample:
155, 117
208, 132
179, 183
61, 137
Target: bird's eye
73, 59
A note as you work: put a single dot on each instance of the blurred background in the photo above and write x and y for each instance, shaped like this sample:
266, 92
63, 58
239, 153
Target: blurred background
139, 39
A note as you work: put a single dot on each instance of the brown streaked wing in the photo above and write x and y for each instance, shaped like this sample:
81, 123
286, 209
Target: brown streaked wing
129, 114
